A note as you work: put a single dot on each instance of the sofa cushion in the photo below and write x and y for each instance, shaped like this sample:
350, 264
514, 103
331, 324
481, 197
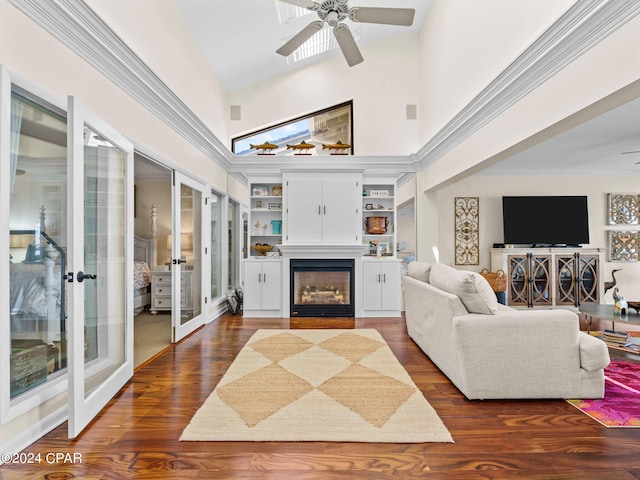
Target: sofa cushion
474, 291
419, 271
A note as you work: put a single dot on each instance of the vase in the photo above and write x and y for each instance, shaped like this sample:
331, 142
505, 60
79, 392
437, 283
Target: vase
376, 225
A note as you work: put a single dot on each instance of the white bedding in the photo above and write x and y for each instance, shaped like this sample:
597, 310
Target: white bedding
141, 275
27, 289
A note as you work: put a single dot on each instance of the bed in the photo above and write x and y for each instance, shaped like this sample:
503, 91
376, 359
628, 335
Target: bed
38, 276
141, 274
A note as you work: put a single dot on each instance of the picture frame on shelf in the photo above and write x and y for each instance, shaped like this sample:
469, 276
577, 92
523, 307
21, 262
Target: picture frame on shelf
275, 206
276, 191
383, 249
368, 206
260, 191
258, 203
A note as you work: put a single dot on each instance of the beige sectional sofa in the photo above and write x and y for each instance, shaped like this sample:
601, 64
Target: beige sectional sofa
490, 351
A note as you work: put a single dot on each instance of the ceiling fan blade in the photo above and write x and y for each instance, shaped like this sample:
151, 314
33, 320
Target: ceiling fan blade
302, 36
386, 16
347, 44
301, 3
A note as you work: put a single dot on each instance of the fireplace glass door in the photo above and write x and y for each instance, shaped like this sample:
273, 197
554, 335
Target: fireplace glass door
322, 288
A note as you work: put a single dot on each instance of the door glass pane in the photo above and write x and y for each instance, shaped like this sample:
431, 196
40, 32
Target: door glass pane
216, 245
190, 251
233, 245
38, 242
104, 258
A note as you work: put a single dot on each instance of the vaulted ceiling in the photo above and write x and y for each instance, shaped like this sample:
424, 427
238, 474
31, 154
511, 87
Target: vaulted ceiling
240, 38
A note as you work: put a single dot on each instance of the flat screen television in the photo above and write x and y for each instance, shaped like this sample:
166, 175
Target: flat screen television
545, 221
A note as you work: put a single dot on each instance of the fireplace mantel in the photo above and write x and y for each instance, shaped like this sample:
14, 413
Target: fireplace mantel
322, 251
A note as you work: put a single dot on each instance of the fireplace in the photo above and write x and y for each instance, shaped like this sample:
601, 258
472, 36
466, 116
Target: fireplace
322, 288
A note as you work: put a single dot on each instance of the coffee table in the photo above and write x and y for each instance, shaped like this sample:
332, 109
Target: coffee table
605, 312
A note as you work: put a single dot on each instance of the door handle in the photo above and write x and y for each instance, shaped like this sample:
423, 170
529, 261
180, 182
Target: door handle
81, 276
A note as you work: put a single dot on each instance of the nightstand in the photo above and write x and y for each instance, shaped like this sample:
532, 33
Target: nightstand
161, 291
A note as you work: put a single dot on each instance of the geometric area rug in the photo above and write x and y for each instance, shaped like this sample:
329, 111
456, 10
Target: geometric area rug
620, 406
316, 385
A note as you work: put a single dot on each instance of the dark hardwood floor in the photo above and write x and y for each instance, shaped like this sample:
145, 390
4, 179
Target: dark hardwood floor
136, 436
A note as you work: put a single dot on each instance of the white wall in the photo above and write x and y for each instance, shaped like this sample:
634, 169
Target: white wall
55, 72
466, 44
157, 33
490, 190
380, 88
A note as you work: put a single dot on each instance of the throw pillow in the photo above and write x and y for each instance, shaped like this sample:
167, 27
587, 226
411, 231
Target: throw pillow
474, 291
419, 271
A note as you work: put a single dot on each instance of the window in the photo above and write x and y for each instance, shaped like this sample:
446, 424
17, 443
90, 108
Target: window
329, 131
38, 242
216, 245
233, 244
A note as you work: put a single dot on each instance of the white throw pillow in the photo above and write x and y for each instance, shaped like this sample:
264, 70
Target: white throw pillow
419, 271
474, 291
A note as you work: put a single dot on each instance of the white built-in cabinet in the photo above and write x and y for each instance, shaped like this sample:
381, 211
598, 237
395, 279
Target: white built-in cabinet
322, 208
262, 287
319, 212
381, 293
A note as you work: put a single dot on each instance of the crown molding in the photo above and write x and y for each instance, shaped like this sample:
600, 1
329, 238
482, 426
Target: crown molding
78, 27
576, 31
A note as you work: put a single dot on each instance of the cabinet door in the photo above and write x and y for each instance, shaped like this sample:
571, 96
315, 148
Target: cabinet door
371, 286
304, 211
271, 285
391, 297
253, 285
566, 284
340, 219
518, 284
540, 280
588, 279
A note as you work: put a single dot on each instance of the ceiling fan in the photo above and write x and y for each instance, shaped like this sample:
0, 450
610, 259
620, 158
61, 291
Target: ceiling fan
333, 12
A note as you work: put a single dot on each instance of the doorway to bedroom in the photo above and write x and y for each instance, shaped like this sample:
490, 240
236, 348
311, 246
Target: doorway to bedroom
152, 227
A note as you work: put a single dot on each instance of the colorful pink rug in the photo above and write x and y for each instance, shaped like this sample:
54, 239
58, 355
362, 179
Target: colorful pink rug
620, 406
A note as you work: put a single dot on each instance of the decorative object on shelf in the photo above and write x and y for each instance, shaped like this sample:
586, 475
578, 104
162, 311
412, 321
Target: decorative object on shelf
373, 247
623, 208
609, 285
380, 207
276, 227
275, 206
368, 206
301, 147
379, 193
257, 227
265, 148
262, 248
260, 191
276, 191
264, 229
467, 226
376, 225
623, 245
383, 249
338, 148
620, 306
497, 279
258, 203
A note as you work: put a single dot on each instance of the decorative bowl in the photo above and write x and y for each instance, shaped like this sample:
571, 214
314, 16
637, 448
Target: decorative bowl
262, 248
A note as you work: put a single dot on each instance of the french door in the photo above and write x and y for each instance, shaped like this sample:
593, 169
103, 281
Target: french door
188, 255
100, 263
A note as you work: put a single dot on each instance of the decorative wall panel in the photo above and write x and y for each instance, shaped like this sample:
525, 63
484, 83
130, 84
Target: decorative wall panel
623, 246
467, 226
623, 209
